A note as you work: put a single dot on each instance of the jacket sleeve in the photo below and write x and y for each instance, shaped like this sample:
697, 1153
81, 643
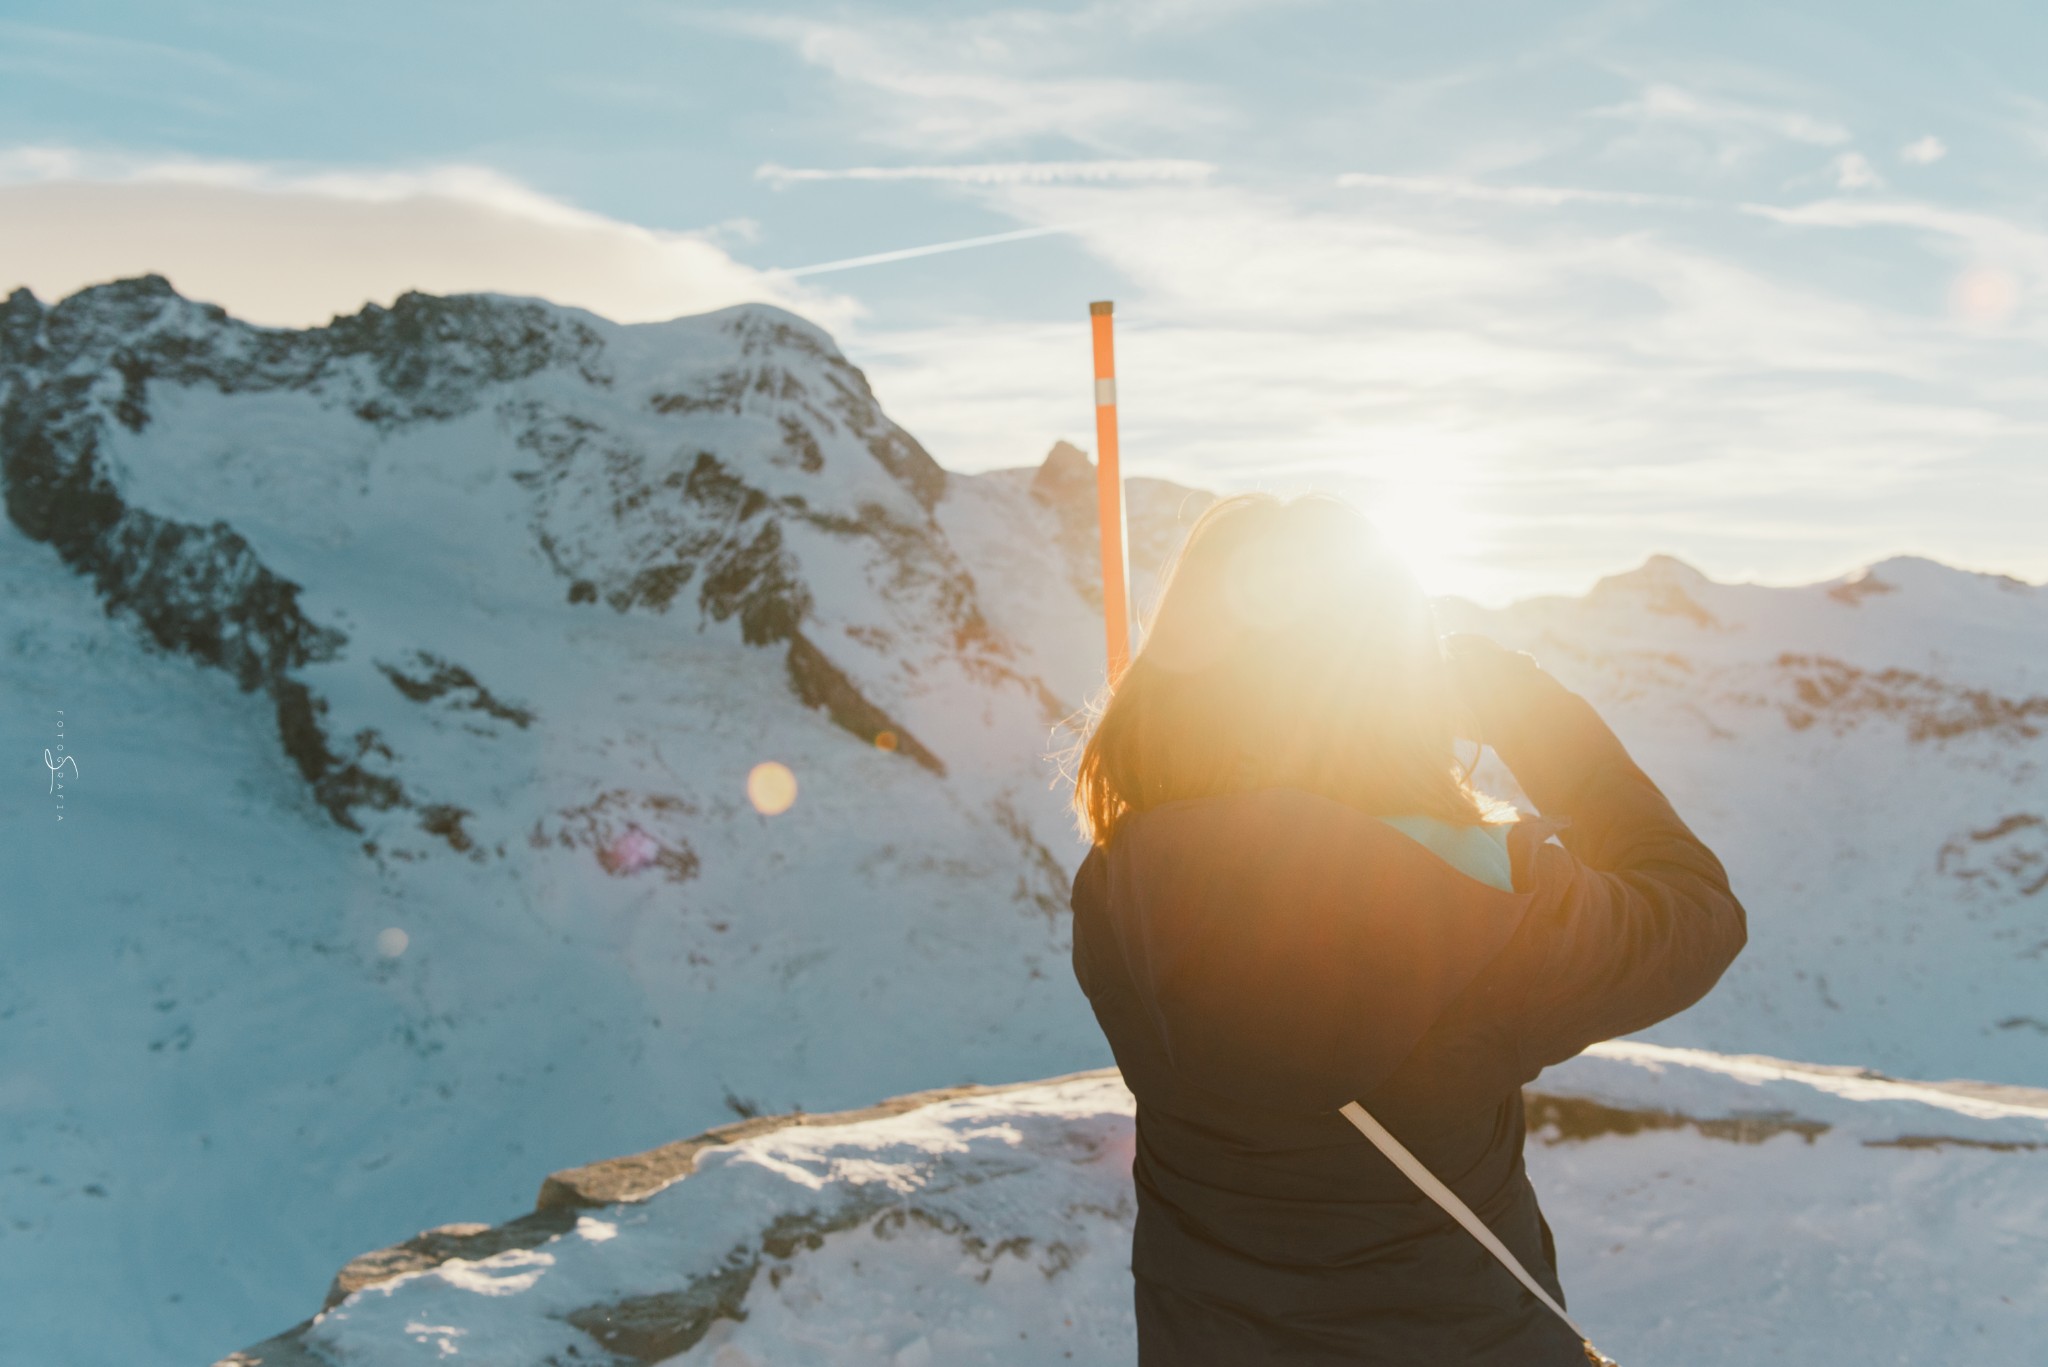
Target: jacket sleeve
1633, 920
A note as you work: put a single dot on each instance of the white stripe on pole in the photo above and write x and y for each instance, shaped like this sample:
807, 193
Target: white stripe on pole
1105, 391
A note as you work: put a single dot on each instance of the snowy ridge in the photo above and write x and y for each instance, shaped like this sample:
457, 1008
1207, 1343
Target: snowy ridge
993, 1226
1870, 758
416, 665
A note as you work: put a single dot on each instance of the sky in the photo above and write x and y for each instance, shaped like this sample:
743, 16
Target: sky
1546, 288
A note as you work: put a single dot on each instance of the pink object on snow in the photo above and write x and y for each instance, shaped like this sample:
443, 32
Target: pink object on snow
632, 851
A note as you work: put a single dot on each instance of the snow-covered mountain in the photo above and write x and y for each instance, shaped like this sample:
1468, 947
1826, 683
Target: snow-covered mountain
994, 1227
414, 669
1868, 756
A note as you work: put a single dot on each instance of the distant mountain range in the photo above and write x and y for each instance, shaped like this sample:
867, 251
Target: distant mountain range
415, 667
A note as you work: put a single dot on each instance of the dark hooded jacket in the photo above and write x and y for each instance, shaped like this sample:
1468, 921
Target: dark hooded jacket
1260, 958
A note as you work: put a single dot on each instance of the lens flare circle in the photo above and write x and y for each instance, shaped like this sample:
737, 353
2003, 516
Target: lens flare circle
771, 787
1983, 296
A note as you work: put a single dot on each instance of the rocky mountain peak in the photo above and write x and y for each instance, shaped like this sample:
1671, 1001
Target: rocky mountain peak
1662, 570
734, 463
1066, 474
764, 329
1662, 584
1917, 572
21, 319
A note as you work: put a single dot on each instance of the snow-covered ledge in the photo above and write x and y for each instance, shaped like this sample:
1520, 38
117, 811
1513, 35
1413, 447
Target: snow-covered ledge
1709, 1209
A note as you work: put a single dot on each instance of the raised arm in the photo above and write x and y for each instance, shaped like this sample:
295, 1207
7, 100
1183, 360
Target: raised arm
1633, 920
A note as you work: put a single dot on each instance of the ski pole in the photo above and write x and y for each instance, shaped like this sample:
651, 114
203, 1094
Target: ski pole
1109, 496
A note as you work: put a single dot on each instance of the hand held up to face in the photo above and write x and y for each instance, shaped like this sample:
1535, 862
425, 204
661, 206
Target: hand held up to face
1481, 673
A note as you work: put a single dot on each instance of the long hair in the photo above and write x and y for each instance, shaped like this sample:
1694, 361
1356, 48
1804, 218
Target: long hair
1290, 648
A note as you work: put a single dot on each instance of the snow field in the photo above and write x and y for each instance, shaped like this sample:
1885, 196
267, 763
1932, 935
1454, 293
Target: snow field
1784, 1216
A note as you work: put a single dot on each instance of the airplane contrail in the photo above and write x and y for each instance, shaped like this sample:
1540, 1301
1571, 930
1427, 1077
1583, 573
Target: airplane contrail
879, 258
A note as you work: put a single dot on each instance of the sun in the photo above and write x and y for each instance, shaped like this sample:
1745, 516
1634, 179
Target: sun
1429, 525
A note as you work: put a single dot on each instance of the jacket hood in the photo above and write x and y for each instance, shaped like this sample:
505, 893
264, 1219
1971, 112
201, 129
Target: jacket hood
1292, 951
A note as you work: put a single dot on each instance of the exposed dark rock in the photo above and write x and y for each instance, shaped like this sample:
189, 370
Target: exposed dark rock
2008, 855
723, 395
1065, 476
763, 335
820, 683
1564, 1119
339, 785
1942, 1141
444, 819
434, 354
758, 582
703, 523
1661, 584
894, 449
196, 591
637, 1176
431, 1248
133, 406
424, 358
442, 678
1851, 593
1065, 483
800, 445
1844, 694
286, 1350
21, 325
714, 486
202, 591
658, 1327
598, 824
1045, 883
654, 587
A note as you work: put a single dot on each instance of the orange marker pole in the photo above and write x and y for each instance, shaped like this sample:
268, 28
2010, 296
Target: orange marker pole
1109, 496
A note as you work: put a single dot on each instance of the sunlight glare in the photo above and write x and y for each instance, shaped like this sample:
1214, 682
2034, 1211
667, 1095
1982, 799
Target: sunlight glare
1427, 525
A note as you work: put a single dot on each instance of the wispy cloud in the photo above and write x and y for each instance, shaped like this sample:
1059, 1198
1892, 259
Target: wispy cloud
130, 67
2028, 121
2016, 252
1662, 103
1487, 380
1923, 151
932, 249
1543, 196
1007, 76
241, 234
1853, 171
998, 172
377, 185
1551, 321
1966, 236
